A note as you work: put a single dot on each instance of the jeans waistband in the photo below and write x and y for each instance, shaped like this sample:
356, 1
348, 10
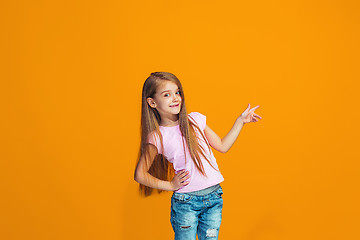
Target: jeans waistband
205, 191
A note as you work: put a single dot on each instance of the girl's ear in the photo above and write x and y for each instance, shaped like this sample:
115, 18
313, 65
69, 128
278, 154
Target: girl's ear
151, 102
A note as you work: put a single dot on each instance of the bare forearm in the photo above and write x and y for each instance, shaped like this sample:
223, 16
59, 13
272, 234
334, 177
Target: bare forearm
232, 135
153, 182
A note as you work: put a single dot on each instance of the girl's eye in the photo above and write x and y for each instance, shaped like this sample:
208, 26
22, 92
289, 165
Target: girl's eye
167, 94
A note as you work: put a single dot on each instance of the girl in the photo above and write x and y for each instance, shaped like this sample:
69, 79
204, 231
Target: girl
172, 140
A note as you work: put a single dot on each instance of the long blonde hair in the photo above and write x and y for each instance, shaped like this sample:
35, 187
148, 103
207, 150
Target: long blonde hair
160, 167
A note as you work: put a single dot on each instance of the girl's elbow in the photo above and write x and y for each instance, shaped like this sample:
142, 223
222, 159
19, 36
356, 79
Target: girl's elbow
137, 177
223, 149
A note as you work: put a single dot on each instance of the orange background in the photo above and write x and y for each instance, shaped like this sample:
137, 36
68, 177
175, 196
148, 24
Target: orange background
71, 78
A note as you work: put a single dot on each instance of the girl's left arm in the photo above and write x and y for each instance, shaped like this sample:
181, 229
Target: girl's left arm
223, 145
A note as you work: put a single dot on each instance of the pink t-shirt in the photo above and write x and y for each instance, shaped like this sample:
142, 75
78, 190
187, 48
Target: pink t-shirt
174, 153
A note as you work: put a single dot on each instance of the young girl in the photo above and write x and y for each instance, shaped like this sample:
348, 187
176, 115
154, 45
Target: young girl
175, 155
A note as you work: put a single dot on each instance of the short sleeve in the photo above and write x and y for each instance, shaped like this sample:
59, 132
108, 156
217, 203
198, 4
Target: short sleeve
199, 118
154, 139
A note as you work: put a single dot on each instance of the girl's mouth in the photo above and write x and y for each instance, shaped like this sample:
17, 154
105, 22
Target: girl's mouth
175, 105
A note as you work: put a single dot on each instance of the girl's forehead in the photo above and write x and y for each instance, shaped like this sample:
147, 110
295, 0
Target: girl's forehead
167, 85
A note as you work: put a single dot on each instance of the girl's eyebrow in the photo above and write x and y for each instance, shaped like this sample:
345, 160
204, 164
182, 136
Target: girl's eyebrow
169, 91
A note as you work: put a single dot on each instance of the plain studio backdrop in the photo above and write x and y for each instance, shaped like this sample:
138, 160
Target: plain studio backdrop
71, 79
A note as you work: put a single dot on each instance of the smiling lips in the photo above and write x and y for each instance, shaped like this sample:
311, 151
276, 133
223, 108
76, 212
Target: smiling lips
175, 105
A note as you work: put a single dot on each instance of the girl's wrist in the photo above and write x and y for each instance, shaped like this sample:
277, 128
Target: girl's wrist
172, 188
240, 120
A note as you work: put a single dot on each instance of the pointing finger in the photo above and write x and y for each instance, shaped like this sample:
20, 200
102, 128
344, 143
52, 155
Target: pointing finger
254, 108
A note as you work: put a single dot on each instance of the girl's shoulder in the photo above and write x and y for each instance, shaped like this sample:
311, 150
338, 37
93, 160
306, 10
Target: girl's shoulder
199, 118
152, 136
196, 114
154, 139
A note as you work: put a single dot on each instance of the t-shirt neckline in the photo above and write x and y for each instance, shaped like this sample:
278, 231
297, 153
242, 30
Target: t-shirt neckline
168, 127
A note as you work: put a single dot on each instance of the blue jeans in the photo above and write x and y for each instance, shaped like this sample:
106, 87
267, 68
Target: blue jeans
191, 214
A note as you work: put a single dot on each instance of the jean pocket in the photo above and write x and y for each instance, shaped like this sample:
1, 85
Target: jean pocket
219, 192
182, 197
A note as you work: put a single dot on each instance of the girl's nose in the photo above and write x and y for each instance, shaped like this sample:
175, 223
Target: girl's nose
176, 98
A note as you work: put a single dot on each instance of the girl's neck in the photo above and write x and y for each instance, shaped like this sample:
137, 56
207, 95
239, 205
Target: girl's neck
166, 122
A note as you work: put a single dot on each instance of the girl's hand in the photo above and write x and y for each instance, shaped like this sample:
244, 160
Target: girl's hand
179, 180
249, 116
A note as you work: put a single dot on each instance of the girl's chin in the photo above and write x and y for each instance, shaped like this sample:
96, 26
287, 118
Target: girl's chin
176, 109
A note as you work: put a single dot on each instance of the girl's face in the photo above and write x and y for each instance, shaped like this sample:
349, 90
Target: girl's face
167, 99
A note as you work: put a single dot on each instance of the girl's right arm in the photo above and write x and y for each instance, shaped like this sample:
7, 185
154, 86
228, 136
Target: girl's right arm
142, 175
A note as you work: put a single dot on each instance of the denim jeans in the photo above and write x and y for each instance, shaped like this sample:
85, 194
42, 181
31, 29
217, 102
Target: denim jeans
192, 214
